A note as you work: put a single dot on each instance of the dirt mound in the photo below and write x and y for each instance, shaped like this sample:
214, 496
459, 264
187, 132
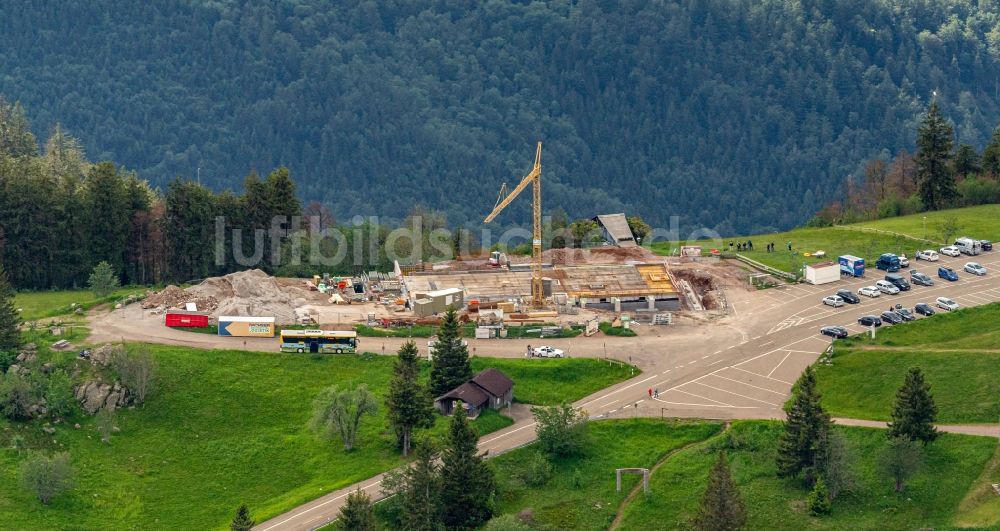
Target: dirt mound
246, 293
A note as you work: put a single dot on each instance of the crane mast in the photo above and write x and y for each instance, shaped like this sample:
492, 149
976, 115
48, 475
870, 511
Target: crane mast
533, 178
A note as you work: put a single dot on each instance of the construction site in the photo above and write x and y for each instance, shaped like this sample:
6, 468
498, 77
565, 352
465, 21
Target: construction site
616, 280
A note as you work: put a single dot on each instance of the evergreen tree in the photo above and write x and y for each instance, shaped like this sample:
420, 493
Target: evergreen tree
10, 322
16, 139
421, 495
966, 161
357, 514
934, 143
819, 498
991, 155
721, 506
803, 444
467, 483
106, 201
914, 412
103, 280
242, 520
450, 367
409, 405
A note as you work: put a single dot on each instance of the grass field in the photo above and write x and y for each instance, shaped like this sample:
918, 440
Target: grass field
552, 381
982, 222
959, 353
37, 305
581, 493
931, 500
229, 427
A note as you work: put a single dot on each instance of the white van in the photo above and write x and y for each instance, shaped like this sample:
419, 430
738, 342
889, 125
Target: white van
969, 246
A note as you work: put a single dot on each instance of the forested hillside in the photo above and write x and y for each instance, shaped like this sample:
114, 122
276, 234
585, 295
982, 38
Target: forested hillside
738, 115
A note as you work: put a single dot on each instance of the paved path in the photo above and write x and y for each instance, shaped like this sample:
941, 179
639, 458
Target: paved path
985, 430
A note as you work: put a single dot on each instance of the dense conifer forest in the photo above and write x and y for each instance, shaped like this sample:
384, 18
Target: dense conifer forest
733, 114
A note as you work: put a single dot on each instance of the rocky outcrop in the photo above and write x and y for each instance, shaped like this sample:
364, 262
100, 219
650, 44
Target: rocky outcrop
95, 394
102, 355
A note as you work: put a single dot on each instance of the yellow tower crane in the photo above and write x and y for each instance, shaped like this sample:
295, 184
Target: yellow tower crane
533, 178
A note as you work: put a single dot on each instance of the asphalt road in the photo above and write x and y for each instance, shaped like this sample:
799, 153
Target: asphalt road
740, 366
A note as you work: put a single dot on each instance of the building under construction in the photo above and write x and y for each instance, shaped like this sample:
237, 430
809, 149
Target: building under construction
619, 287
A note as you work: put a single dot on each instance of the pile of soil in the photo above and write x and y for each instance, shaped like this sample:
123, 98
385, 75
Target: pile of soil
246, 293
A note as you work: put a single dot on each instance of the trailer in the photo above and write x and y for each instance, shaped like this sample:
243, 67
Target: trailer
822, 273
852, 265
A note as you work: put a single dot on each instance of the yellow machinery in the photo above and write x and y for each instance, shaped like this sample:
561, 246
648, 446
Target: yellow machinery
533, 178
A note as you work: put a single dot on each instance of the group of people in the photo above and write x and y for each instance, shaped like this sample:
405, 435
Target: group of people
741, 246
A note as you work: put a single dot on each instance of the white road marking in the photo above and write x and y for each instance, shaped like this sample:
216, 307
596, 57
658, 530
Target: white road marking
748, 384
702, 397
761, 375
708, 405
779, 364
715, 362
736, 394
617, 391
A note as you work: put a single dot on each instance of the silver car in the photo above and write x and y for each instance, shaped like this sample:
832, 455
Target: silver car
975, 268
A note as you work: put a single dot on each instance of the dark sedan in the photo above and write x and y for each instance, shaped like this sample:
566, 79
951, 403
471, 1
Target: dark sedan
907, 315
848, 296
924, 309
891, 318
869, 320
836, 332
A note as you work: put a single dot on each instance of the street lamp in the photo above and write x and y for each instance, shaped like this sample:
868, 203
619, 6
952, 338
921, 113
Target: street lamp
925, 227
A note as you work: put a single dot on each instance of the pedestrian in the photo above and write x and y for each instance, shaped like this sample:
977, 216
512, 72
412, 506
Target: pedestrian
730, 245
772, 247
789, 246
656, 393
750, 243
650, 392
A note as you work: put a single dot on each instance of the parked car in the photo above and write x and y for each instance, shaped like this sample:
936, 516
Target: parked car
906, 314
548, 352
987, 245
869, 291
888, 262
951, 250
833, 300
947, 304
928, 254
891, 318
947, 273
836, 332
887, 287
975, 268
969, 246
904, 261
869, 320
921, 279
897, 280
924, 309
847, 296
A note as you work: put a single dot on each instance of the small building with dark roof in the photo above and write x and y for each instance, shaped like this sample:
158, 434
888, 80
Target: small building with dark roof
490, 389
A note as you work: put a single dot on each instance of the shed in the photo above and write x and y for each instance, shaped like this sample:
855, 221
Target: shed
616, 229
822, 273
490, 389
440, 301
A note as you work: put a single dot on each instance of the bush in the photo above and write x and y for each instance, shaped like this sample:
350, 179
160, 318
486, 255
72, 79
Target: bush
59, 394
562, 429
47, 477
137, 371
536, 470
506, 522
16, 396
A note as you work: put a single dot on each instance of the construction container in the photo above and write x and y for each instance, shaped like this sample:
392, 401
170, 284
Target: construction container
246, 326
822, 273
186, 319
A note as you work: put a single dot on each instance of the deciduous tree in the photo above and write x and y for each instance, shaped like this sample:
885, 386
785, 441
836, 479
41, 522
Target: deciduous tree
47, 477
900, 460
338, 412
561, 430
